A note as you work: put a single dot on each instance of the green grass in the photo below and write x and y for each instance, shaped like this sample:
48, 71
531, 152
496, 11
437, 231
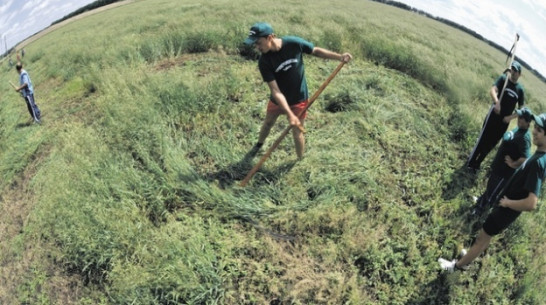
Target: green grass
128, 193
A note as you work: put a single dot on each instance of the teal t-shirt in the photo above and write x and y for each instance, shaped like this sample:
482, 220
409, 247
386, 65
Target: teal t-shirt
513, 94
516, 144
527, 178
286, 67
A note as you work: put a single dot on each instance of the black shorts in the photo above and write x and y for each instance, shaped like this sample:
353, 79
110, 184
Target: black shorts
499, 220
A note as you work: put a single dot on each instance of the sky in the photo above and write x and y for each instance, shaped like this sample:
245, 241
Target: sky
495, 20
498, 21
20, 19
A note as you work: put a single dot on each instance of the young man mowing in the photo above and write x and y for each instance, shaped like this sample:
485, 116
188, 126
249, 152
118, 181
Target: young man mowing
281, 67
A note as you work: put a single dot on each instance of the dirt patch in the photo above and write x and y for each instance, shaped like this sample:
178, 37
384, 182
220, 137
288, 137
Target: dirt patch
171, 63
14, 209
28, 269
24, 263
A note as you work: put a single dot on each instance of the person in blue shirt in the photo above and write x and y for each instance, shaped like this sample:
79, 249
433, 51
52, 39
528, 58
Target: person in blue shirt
281, 67
27, 91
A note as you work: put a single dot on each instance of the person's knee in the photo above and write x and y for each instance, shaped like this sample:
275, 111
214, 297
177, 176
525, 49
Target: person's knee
483, 239
296, 132
270, 120
267, 124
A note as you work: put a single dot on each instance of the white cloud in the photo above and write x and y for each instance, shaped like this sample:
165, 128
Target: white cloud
5, 6
21, 19
498, 21
30, 4
44, 8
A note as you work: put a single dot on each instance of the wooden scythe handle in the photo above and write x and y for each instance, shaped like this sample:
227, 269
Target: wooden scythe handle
513, 55
287, 130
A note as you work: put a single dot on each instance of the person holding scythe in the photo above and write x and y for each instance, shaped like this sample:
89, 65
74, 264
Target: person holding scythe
27, 91
514, 149
499, 115
520, 194
281, 67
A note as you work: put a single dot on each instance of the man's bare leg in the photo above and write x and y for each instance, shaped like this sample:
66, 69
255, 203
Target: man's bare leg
268, 123
299, 140
481, 243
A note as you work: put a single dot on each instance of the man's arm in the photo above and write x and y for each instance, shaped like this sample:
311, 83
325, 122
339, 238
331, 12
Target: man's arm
522, 205
327, 54
497, 109
514, 163
24, 80
494, 95
280, 99
21, 87
508, 118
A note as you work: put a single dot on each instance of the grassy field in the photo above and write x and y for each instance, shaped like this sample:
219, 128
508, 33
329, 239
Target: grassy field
128, 192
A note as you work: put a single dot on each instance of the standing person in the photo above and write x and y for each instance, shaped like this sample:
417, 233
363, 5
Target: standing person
515, 148
281, 66
520, 194
498, 118
27, 91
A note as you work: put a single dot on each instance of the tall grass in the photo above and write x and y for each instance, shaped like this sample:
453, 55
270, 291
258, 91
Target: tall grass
147, 125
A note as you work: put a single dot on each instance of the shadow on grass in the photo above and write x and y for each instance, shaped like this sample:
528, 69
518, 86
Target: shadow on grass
437, 292
22, 125
229, 175
472, 223
461, 179
236, 172
267, 177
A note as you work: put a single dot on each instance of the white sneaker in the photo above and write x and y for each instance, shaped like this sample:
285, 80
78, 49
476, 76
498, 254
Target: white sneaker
447, 265
463, 252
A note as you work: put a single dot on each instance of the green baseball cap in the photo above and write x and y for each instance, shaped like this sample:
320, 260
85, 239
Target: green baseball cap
516, 66
540, 120
526, 113
260, 29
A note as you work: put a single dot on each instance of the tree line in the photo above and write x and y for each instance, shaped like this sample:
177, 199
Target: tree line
86, 8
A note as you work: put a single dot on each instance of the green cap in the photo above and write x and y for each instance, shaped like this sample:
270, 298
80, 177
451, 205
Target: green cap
260, 29
526, 113
516, 66
540, 120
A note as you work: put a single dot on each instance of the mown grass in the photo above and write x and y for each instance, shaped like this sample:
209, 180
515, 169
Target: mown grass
132, 188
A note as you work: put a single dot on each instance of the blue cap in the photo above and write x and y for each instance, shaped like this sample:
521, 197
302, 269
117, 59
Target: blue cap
540, 120
260, 29
526, 113
516, 66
